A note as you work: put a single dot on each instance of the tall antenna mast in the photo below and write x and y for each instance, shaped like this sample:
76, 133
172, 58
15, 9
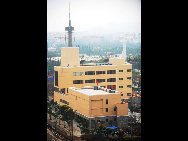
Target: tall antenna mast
69, 29
69, 15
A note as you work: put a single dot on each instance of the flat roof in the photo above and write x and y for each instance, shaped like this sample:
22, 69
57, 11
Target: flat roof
91, 91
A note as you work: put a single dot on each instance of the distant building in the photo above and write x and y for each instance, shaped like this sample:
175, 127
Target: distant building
124, 50
51, 49
56, 59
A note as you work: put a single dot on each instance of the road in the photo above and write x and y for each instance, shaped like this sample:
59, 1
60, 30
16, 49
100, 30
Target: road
51, 137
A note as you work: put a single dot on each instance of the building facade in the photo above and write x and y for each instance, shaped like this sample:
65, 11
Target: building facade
98, 106
71, 74
71, 79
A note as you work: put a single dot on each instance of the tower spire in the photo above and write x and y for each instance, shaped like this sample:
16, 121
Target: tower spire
69, 29
69, 15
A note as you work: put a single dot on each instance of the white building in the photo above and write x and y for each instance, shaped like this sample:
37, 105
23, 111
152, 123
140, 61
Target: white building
51, 49
124, 49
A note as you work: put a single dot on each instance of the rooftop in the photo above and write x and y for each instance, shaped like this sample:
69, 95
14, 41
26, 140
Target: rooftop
89, 90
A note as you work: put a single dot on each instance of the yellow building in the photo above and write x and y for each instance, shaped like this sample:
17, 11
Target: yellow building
71, 78
71, 74
96, 104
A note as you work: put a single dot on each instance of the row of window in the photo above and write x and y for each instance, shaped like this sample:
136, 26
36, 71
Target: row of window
99, 80
98, 72
114, 109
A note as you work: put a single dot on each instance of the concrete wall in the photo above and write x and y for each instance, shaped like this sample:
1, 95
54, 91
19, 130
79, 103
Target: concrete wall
70, 55
117, 61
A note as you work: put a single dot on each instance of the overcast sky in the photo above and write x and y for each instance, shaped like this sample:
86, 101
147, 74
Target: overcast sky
85, 14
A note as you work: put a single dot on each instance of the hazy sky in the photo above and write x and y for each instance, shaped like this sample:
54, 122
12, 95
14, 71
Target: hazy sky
90, 13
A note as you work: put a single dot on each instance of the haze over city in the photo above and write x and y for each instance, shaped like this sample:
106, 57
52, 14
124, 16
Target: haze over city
99, 16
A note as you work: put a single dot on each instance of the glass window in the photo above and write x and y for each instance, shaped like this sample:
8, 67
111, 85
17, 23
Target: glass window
77, 73
111, 71
90, 73
128, 78
90, 81
128, 70
128, 94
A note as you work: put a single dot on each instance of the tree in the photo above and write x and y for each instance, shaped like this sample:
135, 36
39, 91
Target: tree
110, 122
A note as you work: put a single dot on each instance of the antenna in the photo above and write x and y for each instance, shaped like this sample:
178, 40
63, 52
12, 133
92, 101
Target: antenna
69, 15
69, 29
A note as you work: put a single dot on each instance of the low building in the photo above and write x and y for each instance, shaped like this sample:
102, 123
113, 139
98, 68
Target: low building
96, 104
52, 49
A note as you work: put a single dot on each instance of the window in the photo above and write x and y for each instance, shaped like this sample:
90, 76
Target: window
114, 119
77, 81
120, 78
128, 70
106, 101
111, 80
60, 100
90, 81
67, 90
106, 109
128, 78
100, 80
128, 94
63, 101
121, 94
100, 72
76, 97
63, 90
115, 109
90, 73
77, 73
120, 86
120, 70
106, 120
109, 87
128, 86
56, 78
111, 71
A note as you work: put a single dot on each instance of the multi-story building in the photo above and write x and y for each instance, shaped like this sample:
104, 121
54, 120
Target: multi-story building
71, 74
96, 105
